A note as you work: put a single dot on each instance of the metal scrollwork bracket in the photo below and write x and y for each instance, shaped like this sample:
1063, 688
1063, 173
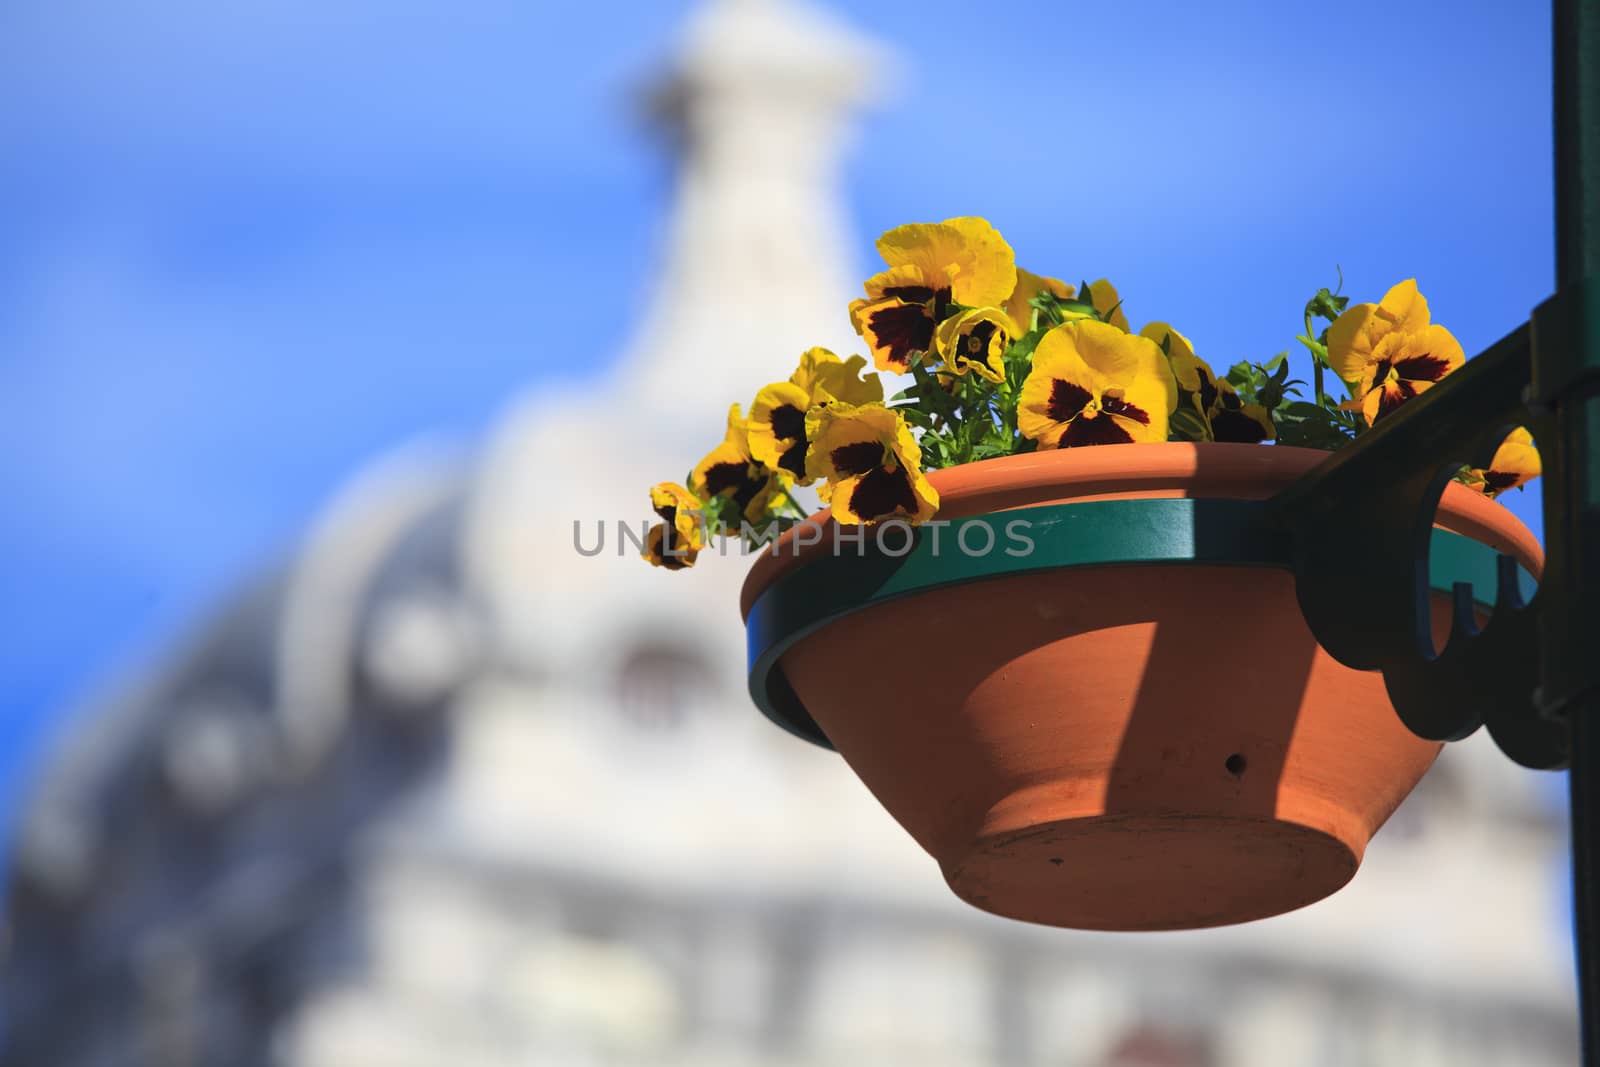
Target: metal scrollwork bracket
1361, 523
1360, 527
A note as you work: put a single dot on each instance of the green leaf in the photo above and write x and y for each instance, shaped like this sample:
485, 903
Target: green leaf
1242, 374
1326, 305
1318, 350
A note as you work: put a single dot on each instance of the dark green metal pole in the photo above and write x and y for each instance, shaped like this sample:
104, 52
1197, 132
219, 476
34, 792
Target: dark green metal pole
1577, 126
1568, 381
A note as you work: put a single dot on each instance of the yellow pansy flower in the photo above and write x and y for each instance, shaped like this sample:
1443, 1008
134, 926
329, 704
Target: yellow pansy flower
664, 548
1030, 285
1405, 365
1215, 399
1389, 352
931, 265
1356, 332
1194, 376
777, 424
1094, 384
1231, 419
870, 463
1515, 464
826, 378
777, 428
730, 470
679, 509
976, 340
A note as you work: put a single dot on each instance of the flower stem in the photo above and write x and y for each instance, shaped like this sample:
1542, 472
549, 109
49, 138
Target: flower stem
1316, 364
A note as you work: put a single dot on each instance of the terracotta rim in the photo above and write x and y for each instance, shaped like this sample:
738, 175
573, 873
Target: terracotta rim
1170, 469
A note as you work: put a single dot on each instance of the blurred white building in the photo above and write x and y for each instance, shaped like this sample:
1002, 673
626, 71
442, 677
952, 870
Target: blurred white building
441, 790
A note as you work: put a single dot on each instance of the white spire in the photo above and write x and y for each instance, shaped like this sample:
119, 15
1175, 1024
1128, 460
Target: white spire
758, 264
757, 269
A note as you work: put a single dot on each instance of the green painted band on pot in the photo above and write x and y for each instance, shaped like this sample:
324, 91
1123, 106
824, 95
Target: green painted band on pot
898, 561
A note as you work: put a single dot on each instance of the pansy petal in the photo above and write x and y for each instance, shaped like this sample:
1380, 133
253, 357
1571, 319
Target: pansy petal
987, 270
1193, 374
1247, 424
880, 494
1368, 333
777, 420
663, 549
722, 469
1404, 308
930, 247
813, 364
976, 340
680, 509
1030, 285
1085, 370
1350, 341
895, 331
1385, 399
1429, 354
907, 281
1097, 430
839, 425
1056, 390
871, 464
1121, 360
1516, 463
1108, 303
1177, 345
1033, 418
848, 381
964, 256
1140, 409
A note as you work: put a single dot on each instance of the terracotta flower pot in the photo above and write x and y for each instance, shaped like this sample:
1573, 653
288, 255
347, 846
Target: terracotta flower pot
1127, 727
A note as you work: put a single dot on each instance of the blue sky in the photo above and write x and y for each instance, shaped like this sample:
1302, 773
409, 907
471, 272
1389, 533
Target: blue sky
249, 246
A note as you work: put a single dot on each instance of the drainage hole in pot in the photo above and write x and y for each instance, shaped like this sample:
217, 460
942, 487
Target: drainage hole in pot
1057, 860
1235, 764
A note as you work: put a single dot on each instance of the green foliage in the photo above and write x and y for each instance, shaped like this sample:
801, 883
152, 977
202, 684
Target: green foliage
720, 514
967, 419
1326, 305
1310, 425
1320, 422
1267, 384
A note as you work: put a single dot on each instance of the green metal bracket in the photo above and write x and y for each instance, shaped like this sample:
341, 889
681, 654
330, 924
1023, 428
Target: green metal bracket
1360, 525
1533, 673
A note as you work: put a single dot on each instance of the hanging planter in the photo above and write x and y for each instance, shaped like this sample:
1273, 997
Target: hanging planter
1048, 618
1126, 724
